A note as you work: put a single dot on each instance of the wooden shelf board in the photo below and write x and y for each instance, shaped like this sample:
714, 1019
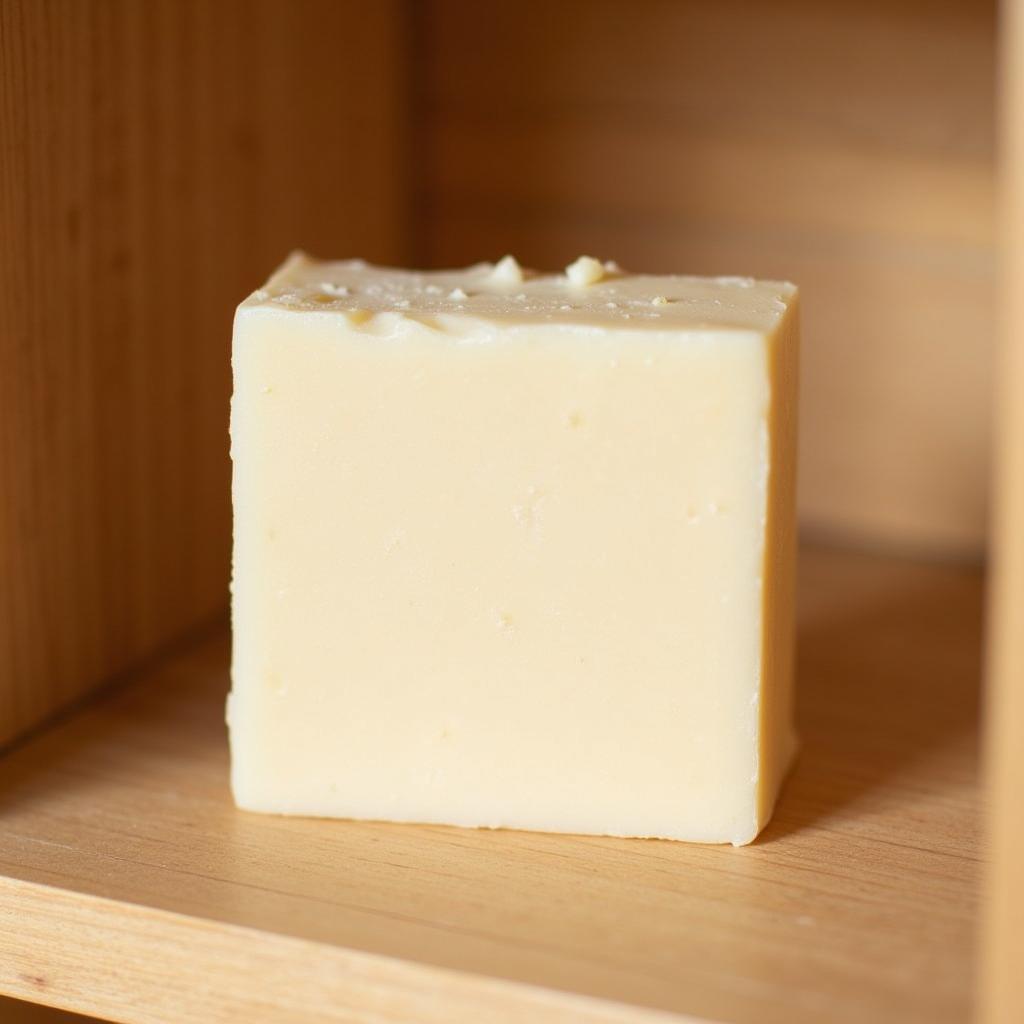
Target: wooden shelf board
131, 888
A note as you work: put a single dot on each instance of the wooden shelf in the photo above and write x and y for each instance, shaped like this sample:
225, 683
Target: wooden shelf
132, 889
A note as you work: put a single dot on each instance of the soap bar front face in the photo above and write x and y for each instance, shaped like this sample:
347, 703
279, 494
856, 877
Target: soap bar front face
504, 563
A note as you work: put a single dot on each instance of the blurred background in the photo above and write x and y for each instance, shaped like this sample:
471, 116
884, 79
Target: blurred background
159, 158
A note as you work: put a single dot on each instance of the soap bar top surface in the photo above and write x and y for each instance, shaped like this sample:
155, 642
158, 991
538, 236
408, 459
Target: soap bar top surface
589, 295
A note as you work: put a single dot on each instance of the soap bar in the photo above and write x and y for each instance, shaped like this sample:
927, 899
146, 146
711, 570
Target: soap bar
514, 550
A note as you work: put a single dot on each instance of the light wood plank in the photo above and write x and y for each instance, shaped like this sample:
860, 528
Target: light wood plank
909, 75
156, 160
715, 178
847, 146
140, 893
1002, 988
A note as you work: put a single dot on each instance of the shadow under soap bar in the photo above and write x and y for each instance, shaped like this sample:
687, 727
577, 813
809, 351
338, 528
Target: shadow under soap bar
514, 550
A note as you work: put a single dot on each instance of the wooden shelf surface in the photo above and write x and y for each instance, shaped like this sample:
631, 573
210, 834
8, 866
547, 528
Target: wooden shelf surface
130, 887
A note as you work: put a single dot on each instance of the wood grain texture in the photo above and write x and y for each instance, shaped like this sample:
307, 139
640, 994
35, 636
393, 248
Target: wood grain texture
1002, 987
847, 146
156, 160
131, 888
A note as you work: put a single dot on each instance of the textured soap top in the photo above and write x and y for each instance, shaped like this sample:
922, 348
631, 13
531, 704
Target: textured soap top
588, 294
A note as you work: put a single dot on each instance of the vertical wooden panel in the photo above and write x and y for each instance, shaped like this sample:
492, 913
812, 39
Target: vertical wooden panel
846, 145
156, 160
1002, 974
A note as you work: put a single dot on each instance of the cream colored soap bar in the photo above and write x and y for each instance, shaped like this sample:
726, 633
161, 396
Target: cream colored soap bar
514, 550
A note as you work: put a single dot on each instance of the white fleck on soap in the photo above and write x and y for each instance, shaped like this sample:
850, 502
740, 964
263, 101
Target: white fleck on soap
514, 550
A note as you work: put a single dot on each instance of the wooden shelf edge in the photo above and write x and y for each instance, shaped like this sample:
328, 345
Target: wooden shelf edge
149, 975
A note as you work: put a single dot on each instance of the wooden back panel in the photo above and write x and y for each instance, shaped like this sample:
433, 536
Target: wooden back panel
845, 145
156, 160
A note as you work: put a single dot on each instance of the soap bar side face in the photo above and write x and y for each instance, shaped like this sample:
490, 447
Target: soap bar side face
778, 736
